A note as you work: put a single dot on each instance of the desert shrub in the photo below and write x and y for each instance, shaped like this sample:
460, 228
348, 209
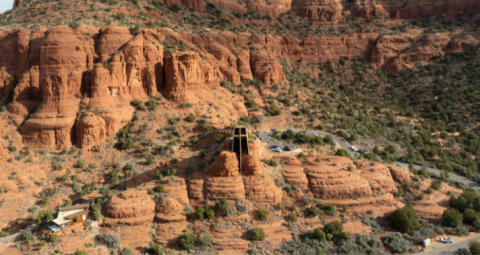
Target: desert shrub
342, 152
263, 213
159, 188
459, 230
372, 222
112, 241
126, 251
225, 208
205, 239
209, 214
319, 235
330, 210
187, 241
292, 217
436, 185
220, 138
470, 216
429, 191
451, 217
80, 252
396, 243
199, 213
191, 118
404, 219
80, 164
155, 248
150, 159
474, 247
314, 211
53, 238
333, 228
257, 234
344, 236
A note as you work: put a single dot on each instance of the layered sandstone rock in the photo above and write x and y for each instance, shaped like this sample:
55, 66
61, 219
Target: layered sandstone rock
259, 187
170, 210
52, 123
130, 207
90, 131
223, 179
330, 182
264, 68
293, 173
185, 73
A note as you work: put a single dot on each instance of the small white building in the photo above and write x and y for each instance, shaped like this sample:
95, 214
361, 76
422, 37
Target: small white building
69, 215
426, 242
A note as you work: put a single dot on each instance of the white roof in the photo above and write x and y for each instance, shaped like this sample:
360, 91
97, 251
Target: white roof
60, 220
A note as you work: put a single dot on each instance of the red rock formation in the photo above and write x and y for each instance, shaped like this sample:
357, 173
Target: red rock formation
90, 131
170, 210
185, 73
52, 123
130, 207
259, 187
400, 175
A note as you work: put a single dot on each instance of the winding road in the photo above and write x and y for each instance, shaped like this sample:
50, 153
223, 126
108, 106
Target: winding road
344, 144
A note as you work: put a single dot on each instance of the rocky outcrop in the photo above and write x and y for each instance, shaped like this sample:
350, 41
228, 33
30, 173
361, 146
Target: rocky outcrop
185, 73
223, 179
52, 123
400, 175
259, 187
130, 207
170, 210
90, 131
293, 174
265, 69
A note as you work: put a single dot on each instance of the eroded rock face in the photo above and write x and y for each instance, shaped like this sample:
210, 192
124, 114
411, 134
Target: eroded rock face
90, 131
185, 73
130, 207
51, 125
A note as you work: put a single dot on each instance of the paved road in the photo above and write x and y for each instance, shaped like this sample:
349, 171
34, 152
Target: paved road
443, 248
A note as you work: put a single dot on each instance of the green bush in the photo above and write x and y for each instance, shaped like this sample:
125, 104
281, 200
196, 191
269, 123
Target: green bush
451, 217
80, 164
187, 241
314, 211
470, 216
292, 217
344, 236
404, 219
80, 252
190, 118
220, 138
474, 247
429, 191
155, 248
436, 185
53, 238
257, 234
263, 213
209, 214
225, 208
342, 152
200, 212
319, 235
334, 227
159, 188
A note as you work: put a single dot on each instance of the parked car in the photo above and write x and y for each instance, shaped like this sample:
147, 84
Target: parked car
446, 240
352, 148
315, 134
273, 146
364, 152
273, 130
278, 150
286, 148
356, 150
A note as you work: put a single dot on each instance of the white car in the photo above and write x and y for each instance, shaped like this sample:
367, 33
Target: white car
315, 134
278, 150
446, 240
352, 148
